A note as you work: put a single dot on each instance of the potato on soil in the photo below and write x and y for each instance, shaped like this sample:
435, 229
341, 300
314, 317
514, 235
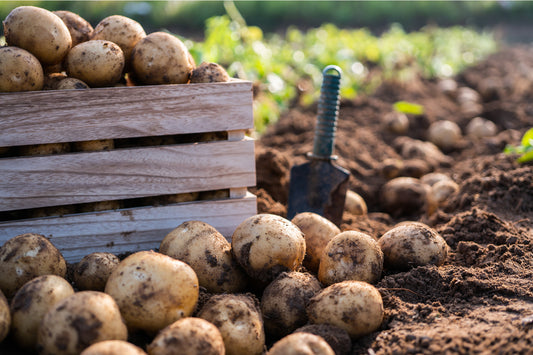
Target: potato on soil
161, 58
113, 347
188, 336
396, 122
354, 306
301, 343
444, 134
411, 244
80, 29
153, 290
442, 190
25, 257
355, 204
209, 73
30, 304
266, 245
38, 31
284, 302
317, 231
239, 320
97, 63
406, 196
351, 255
203, 248
122, 30
19, 70
93, 270
71, 84
5, 317
432, 178
336, 337
480, 127
78, 321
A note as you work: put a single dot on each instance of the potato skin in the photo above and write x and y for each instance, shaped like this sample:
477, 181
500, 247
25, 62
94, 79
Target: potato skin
113, 347
38, 31
97, 63
80, 29
93, 270
160, 58
266, 245
405, 196
78, 321
351, 255
301, 343
317, 231
30, 304
188, 336
20, 70
209, 254
209, 73
25, 257
411, 244
354, 306
153, 290
5, 317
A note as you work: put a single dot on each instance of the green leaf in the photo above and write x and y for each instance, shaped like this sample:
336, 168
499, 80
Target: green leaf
408, 108
528, 156
527, 139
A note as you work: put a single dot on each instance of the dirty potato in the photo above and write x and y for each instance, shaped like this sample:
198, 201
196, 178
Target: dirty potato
80, 29
19, 70
71, 84
239, 320
93, 270
153, 290
188, 336
39, 31
336, 337
113, 347
355, 204
351, 255
442, 191
25, 257
301, 343
209, 73
354, 306
284, 301
317, 231
410, 244
266, 245
209, 254
30, 304
405, 196
5, 317
444, 134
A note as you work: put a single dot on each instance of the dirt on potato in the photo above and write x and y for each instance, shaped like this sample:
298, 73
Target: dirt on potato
481, 299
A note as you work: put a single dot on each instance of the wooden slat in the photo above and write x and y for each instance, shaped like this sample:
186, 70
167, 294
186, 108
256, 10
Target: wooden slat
130, 230
53, 180
102, 113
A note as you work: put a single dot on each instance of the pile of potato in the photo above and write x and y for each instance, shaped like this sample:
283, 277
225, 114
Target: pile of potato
61, 50
279, 287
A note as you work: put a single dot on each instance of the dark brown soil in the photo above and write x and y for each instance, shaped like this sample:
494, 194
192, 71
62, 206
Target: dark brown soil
481, 299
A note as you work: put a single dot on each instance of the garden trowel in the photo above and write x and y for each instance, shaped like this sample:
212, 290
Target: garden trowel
320, 186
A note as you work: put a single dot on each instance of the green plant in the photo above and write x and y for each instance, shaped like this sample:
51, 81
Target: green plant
525, 149
408, 108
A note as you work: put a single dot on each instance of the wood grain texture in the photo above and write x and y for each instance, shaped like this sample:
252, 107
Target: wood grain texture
30, 182
124, 112
130, 230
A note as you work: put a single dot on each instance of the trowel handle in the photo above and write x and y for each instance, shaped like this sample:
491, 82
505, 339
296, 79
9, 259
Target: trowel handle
328, 110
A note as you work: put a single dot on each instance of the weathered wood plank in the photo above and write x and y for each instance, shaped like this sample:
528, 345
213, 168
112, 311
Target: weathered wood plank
130, 230
30, 182
54, 116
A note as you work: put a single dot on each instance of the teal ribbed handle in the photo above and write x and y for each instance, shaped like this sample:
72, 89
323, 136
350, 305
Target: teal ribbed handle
328, 111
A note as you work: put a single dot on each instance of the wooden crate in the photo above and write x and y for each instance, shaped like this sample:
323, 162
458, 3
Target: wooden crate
191, 163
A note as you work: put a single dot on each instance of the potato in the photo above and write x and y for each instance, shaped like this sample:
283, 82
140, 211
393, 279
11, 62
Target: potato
391, 168
411, 244
19, 70
415, 168
209, 254
209, 73
301, 343
93, 270
351, 255
266, 245
188, 336
396, 122
432, 178
38, 31
123, 31
80, 29
5, 317
30, 304
78, 321
442, 190
51, 80
317, 231
448, 86
25, 257
480, 127
44, 149
161, 58
336, 337
71, 84
355, 204
153, 290
94, 145
284, 301
97, 63
467, 95
238, 318
444, 134
405, 196
354, 306
113, 347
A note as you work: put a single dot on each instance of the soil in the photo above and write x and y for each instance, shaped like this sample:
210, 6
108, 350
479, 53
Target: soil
480, 301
